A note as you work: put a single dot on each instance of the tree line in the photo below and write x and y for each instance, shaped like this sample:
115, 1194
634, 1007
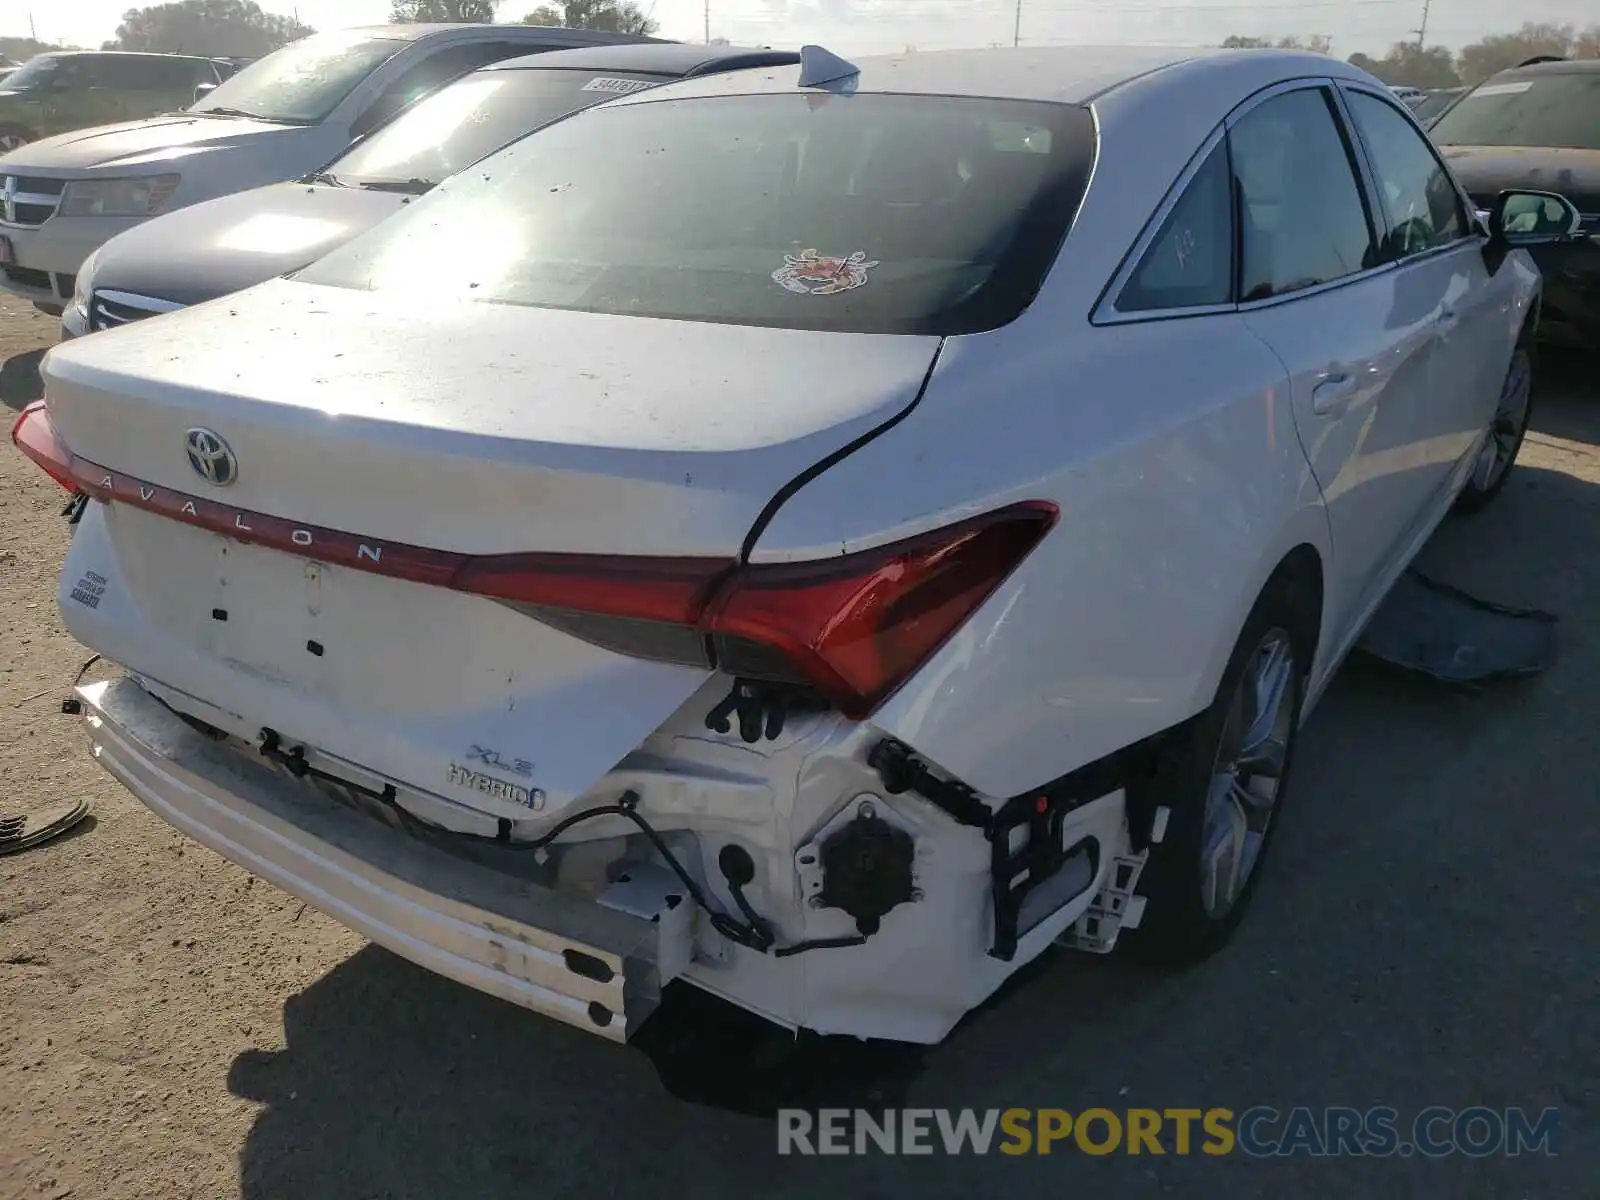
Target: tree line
1415, 65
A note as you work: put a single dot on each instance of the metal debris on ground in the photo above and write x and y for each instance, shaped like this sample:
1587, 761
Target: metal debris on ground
23, 831
1441, 631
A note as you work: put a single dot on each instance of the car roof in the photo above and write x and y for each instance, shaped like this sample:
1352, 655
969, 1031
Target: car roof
1564, 66
1061, 74
667, 58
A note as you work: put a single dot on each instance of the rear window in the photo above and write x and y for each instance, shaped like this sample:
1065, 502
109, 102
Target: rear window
866, 213
457, 126
1555, 109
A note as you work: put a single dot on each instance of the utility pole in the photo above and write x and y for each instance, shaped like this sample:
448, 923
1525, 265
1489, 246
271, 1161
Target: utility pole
1422, 34
708, 22
1016, 31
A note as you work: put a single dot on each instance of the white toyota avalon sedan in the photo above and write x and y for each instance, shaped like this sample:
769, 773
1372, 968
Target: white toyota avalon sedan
822, 534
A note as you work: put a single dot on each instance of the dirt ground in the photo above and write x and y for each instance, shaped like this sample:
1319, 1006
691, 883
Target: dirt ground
170, 1027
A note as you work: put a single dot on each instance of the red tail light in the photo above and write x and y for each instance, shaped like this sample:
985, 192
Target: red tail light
36, 437
854, 627
858, 627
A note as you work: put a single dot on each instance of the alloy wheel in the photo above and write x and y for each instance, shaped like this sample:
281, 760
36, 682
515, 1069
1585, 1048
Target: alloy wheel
1248, 772
1510, 424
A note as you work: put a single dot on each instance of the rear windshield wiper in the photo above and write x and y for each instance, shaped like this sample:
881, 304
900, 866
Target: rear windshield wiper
411, 187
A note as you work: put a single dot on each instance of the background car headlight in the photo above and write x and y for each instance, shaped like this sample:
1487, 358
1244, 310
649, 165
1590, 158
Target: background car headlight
117, 197
84, 287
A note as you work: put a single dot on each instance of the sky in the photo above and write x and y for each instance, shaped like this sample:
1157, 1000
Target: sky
877, 26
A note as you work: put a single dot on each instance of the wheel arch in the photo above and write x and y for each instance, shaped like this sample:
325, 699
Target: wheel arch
1299, 561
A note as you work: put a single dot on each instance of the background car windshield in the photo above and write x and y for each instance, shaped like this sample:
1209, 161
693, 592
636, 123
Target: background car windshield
870, 213
33, 73
305, 81
1560, 110
454, 128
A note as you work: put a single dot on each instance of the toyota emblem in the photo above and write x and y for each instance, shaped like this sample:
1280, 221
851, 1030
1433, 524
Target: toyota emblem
210, 457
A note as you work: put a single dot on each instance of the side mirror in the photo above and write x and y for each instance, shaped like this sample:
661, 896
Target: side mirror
1521, 218
202, 90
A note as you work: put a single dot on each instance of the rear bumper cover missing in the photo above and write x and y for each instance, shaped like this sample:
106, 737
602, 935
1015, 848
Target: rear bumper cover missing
481, 927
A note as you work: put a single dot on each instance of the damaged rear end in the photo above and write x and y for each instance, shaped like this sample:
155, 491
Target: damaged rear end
442, 615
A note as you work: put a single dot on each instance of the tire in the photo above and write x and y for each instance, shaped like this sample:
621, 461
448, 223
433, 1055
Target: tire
13, 137
1186, 919
1506, 434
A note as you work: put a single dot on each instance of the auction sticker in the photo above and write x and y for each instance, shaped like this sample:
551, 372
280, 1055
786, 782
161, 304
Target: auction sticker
609, 83
88, 590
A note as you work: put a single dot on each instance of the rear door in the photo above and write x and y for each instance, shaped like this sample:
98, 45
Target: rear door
1439, 255
1356, 340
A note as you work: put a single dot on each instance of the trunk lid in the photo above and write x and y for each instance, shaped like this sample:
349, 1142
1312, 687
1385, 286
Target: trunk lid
479, 428
470, 429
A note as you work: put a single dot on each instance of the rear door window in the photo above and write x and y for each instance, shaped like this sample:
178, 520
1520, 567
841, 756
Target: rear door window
1189, 264
1303, 215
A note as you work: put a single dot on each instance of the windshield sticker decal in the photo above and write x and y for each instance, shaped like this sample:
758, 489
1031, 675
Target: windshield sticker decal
608, 83
811, 274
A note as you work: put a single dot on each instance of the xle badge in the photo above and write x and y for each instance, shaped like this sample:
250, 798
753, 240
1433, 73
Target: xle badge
498, 789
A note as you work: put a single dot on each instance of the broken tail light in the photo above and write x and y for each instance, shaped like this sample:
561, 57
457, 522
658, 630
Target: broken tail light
36, 437
854, 627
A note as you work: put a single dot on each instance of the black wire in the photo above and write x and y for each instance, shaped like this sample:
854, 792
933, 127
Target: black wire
84, 670
837, 943
752, 936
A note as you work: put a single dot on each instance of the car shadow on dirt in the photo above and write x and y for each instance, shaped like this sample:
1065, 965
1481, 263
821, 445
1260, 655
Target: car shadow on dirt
20, 384
1353, 977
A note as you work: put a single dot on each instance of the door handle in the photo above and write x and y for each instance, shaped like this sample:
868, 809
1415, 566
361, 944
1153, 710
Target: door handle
1448, 320
1332, 393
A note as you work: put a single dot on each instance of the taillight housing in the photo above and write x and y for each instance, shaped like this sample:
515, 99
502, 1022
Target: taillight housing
854, 628
33, 434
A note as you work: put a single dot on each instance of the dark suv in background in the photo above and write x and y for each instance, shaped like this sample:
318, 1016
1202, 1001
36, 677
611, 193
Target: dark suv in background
1537, 127
59, 92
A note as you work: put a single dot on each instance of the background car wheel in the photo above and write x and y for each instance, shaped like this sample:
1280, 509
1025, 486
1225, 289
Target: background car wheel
1224, 779
14, 137
1510, 427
